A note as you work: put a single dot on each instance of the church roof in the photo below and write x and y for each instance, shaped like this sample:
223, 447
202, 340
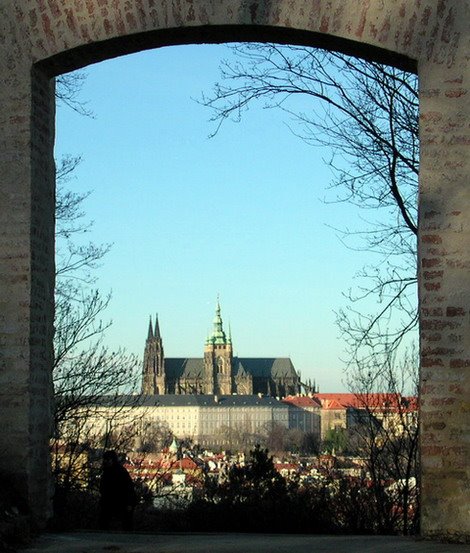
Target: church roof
184, 367
276, 367
257, 367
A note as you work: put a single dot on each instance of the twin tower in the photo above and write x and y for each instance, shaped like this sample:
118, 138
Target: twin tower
219, 372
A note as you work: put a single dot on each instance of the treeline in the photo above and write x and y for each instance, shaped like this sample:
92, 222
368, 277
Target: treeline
255, 497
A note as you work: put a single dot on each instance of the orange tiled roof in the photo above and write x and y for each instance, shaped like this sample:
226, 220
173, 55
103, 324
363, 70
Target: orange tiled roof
286, 466
302, 401
187, 463
337, 401
376, 401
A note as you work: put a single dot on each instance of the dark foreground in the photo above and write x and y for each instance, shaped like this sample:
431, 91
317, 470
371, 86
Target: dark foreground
234, 543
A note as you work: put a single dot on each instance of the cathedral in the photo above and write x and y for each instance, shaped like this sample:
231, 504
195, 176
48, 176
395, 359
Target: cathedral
218, 372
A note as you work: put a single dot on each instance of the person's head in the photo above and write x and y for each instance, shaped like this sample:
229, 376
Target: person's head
110, 458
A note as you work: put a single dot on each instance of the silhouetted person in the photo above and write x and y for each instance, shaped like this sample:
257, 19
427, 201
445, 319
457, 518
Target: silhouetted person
118, 497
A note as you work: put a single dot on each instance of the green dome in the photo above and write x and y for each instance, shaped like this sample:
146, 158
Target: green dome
173, 447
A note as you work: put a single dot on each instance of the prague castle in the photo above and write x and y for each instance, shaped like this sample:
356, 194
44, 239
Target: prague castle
218, 372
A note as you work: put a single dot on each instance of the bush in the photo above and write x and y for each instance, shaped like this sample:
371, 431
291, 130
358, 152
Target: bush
15, 524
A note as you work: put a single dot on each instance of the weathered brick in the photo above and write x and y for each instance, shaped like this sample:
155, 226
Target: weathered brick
431, 239
456, 312
432, 311
432, 362
438, 324
431, 337
456, 93
433, 262
432, 286
437, 351
430, 275
459, 363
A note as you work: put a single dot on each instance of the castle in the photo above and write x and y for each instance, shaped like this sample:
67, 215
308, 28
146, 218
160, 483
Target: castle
218, 372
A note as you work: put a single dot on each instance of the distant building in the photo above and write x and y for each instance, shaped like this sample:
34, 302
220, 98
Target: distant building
206, 419
391, 410
224, 421
304, 413
218, 372
334, 411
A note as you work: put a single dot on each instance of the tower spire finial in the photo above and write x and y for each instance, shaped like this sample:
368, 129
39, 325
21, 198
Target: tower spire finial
218, 335
157, 327
150, 332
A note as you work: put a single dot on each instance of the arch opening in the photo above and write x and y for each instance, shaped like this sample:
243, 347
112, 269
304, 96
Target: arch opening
158, 391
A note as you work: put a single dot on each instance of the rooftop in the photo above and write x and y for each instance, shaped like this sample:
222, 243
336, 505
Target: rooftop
374, 401
196, 400
303, 401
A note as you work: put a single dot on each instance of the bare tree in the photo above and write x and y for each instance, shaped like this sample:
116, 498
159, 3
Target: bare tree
237, 437
281, 440
84, 368
83, 433
154, 436
367, 114
385, 432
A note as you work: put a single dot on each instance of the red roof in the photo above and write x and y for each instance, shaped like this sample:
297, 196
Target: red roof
337, 401
375, 401
302, 401
153, 468
187, 463
285, 466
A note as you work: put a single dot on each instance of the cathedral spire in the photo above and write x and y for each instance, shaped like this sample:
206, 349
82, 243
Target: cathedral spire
153, 372
157, 328
150, 332
218, 335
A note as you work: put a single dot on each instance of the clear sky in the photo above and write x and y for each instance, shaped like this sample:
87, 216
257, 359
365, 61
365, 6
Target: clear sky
190, 217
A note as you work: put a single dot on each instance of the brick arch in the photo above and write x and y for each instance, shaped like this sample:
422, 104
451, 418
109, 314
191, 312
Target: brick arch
88, 53
43, 38
74, 34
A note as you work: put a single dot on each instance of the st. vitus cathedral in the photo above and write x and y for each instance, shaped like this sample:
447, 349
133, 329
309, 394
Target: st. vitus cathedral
218, 372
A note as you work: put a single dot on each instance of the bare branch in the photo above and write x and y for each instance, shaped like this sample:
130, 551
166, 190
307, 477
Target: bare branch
367, 114
68, 89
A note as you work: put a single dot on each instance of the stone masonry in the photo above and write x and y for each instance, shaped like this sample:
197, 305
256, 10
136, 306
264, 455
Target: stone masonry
40, 39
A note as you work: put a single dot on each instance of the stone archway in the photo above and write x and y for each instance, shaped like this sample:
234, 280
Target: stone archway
42, 38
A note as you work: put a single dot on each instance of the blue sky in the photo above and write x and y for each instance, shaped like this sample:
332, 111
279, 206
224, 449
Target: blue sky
190, 217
